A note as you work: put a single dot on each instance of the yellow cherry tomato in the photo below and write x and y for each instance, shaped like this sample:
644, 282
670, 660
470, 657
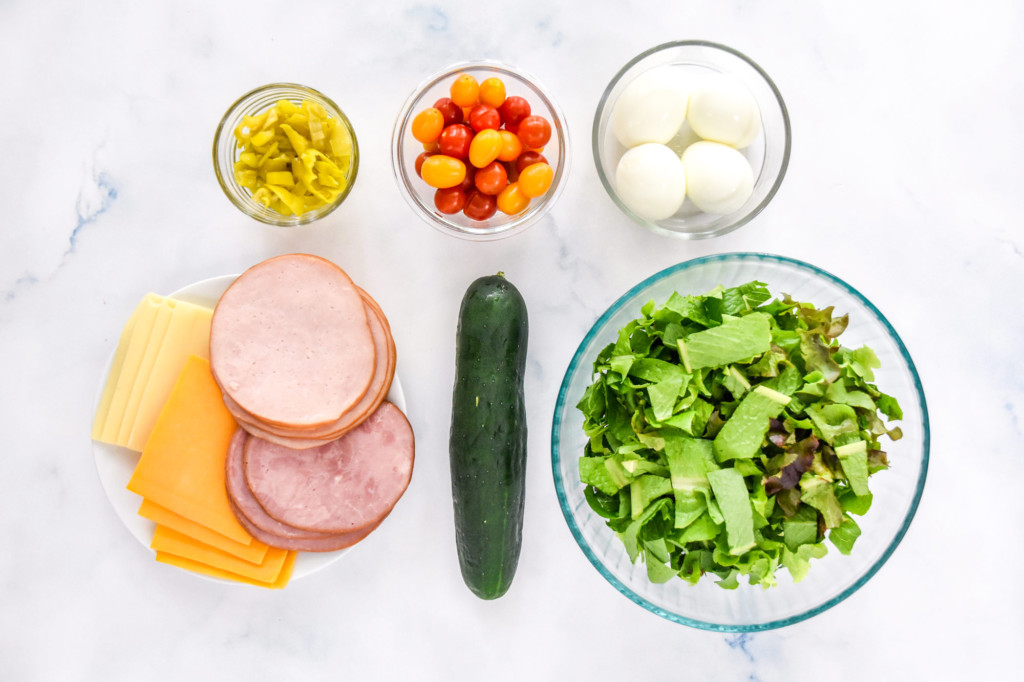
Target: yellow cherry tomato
511, 200
492, 91
511, 146
427, 125
465, 91
535, 179
442, 171
485, 147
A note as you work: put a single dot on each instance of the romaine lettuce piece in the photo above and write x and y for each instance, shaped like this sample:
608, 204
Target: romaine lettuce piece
744, 431
736, 339
734, 500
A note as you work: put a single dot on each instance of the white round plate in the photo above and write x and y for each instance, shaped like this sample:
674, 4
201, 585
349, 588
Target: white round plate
115, 465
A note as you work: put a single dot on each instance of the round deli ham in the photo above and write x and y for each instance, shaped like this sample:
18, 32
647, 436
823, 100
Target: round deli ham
346, 485
266, 529
290, 342
380, 384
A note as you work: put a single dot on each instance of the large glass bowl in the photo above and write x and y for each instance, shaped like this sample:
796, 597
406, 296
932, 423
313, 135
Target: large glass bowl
768, 154
405, 148
897, 491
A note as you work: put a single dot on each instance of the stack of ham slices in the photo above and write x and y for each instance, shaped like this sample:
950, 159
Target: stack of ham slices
305, 359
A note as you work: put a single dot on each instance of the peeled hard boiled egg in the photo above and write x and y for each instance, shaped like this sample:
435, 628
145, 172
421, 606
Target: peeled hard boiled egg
651, 109
722, 110
651, 181
719, 178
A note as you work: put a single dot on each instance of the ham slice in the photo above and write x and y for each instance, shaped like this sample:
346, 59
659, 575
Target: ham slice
290, 342
309, 437
266, 529
347, 485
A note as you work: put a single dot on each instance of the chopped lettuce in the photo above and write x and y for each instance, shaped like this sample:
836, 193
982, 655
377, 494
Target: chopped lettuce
731, 434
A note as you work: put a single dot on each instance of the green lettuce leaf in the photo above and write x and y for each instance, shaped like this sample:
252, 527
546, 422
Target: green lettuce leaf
734, 501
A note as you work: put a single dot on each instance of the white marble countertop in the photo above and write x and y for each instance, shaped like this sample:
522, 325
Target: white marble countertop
904, 181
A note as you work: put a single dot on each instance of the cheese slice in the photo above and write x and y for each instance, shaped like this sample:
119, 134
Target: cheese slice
145, 316
252, 552
172, 542
156, 339
198, 567
182, 465
103, 408
188, 333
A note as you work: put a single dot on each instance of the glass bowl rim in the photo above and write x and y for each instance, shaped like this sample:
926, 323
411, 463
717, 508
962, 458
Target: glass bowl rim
234, 112
750, 215
527, 218
577, 359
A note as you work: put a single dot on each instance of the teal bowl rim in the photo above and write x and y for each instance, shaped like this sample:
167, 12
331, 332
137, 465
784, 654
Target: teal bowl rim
578, 358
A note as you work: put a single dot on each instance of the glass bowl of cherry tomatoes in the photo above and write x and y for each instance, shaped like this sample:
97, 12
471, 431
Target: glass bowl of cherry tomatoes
480, 150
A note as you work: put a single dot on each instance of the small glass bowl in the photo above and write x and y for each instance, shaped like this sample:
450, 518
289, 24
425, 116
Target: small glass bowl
226, 151
831, 579
768, 154
405, 148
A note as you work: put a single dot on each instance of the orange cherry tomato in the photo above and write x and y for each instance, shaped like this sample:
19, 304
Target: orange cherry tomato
419, 161
492, 91
533, 180
512, 200
485, 147
440, 171
511, 146
427, 125
465, 91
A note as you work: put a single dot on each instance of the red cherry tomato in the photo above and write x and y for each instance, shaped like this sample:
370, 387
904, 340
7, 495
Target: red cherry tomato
480, 206
419, 161
455, 140
491, 179
450, 200
467, 185
451, 111
528, 159
513, 110
484, 116
534, 131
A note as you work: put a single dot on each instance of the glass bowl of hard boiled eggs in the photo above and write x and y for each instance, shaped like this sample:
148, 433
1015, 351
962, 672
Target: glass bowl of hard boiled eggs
691, 139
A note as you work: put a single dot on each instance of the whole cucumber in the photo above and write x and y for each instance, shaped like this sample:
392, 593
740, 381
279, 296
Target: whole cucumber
487, 444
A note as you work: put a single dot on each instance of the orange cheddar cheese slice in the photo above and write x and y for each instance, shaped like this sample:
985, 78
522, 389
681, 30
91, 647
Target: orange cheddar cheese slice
172, 542
253, 552
198, 567
182, 464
